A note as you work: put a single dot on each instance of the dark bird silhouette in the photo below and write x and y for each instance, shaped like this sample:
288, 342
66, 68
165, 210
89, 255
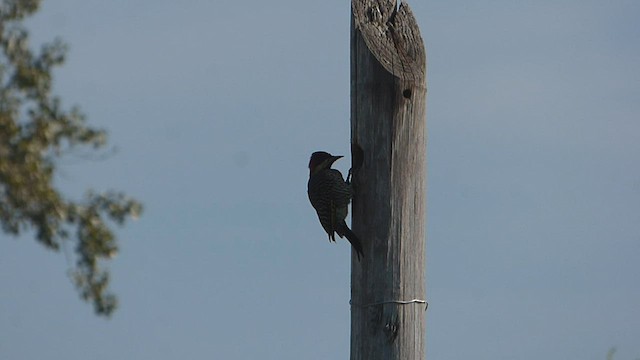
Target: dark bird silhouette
330, 196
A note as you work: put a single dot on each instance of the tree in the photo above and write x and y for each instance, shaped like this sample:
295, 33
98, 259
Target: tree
35, 132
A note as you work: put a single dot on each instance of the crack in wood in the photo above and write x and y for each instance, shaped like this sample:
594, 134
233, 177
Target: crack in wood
392, 35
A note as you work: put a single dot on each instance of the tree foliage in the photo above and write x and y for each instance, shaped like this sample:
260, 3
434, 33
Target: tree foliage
35, 132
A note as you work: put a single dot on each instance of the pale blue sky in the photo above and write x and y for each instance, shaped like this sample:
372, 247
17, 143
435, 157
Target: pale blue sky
215, 106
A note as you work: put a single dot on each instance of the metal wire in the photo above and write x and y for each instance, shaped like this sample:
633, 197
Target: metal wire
399, 302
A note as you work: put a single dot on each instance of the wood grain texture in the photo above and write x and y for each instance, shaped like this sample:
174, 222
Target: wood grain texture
388, 104
393, 37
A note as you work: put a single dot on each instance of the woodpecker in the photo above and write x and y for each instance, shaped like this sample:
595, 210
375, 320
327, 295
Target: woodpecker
330, 196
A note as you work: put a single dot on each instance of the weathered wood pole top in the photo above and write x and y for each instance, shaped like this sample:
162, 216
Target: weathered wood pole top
392, 36
388, 133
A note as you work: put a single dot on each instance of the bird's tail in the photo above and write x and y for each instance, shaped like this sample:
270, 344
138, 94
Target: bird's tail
353, 239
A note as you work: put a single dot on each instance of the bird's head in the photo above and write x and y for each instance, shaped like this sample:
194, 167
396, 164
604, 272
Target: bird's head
321, 160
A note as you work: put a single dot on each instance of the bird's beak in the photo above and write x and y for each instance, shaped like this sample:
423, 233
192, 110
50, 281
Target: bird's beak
334, 158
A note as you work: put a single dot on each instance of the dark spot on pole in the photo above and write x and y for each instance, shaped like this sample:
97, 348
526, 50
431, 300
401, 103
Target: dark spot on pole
391, 328
407, 93
357, 156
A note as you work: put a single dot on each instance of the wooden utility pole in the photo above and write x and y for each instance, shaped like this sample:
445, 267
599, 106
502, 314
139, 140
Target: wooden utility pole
388, 135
